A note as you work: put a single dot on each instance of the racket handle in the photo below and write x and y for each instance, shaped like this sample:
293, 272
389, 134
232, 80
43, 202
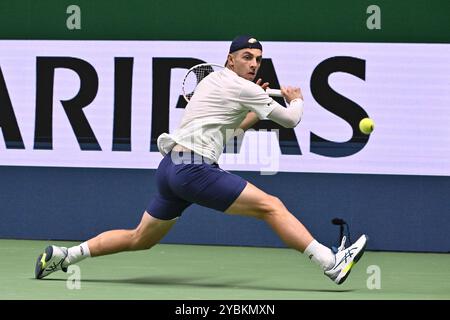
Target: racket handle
274, 92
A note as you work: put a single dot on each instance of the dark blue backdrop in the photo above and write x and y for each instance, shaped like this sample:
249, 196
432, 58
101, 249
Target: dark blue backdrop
405, 213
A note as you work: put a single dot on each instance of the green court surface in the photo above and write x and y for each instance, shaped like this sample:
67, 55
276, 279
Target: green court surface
194, 272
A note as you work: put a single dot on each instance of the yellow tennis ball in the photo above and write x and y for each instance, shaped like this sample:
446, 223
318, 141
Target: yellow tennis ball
366, 125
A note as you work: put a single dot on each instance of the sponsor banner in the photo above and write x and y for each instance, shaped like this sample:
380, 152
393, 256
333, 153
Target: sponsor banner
104, 103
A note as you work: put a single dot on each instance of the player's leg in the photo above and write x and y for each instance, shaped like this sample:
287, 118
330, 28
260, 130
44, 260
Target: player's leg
148, 233
256, 203
156, 221
159, 217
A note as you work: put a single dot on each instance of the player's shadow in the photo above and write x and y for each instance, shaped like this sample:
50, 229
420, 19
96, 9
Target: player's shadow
196, 282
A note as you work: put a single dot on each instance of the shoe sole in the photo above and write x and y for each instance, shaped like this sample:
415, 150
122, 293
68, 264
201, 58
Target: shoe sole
42, 262
352, 264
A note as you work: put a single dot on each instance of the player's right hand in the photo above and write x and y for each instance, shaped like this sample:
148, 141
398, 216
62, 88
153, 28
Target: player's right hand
291, 93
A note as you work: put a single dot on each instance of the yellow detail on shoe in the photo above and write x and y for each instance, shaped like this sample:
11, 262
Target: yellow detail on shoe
350, 265
44, 255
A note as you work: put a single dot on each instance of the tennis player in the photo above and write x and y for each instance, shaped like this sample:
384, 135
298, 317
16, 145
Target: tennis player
189, 173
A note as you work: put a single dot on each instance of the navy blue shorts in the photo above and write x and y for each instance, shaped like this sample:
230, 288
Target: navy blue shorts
186, 178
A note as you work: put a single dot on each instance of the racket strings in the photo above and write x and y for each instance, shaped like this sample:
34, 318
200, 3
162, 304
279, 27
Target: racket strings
201, 72
191, 82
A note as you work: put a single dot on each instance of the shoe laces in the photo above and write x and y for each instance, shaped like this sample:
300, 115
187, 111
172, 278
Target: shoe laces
342, 246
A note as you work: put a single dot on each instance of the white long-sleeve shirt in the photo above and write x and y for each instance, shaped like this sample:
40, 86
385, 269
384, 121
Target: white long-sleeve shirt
219, 105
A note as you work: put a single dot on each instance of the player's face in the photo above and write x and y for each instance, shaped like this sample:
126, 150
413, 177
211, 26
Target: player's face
245, 62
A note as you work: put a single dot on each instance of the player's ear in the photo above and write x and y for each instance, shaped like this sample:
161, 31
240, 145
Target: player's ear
230, 60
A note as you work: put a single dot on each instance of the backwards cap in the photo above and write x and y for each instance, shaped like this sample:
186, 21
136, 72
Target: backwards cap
242, 42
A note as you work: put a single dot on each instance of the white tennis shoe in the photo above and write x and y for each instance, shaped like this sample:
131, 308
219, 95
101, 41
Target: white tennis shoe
50, 261
345, 259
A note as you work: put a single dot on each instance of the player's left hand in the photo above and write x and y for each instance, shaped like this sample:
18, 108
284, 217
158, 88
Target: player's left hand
264, 85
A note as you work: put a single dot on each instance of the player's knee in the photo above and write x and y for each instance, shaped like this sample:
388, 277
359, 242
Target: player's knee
139, 241
144, 245
272, 206
277, 206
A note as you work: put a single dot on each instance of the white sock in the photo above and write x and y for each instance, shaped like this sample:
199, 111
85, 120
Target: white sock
320, 255
77, 253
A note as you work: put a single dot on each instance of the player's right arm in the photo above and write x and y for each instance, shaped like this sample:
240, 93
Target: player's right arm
257, 100
288, 117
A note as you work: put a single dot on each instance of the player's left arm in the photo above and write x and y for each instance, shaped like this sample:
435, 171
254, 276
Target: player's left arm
249, 121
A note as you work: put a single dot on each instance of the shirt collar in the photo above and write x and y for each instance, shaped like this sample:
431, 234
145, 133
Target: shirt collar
231, 71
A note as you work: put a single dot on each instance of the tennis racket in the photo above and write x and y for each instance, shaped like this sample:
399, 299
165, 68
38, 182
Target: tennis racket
198, 72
